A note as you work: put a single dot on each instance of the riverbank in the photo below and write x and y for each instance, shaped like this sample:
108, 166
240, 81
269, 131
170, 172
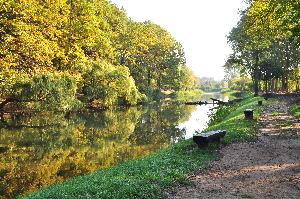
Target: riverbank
150, 176
235, 93
266, 168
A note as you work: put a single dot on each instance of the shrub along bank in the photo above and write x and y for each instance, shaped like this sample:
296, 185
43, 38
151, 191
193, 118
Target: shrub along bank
148, 177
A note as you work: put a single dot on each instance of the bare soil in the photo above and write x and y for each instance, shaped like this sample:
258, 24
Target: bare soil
267, 168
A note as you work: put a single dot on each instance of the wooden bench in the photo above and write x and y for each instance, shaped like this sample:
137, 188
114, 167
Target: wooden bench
204, 139
248, 114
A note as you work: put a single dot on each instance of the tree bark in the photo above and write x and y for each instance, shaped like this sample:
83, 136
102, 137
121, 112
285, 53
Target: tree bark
266, 86
272, 85
256, 76
256, 83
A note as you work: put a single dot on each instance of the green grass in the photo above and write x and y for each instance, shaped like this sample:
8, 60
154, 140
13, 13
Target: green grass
295, 110
235, 93
145, 178
148, 177
232, 120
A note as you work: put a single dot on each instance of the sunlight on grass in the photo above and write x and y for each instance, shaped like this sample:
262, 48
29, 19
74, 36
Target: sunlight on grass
239, 129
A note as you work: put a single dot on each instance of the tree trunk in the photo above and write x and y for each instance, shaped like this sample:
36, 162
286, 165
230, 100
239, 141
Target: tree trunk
272, 85
256, 82
287, 66
159, 81
276, 85
256, 76
266, 86
282, 83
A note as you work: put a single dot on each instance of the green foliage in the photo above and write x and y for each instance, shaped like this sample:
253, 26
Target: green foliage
106, 85
153, 56
188, 95
235, 93
40, 37
218, 114
48, 92
295, 110
210, 84
266, 44
241, 84
8, 78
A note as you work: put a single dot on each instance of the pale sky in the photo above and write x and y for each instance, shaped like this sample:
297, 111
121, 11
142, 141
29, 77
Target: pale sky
200, 26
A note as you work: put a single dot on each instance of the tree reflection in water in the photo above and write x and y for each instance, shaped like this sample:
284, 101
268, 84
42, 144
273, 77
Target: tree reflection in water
43, 149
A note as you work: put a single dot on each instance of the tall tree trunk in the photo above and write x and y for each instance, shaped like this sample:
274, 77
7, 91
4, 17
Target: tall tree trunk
159, 81
272, 85
282, 83
266, 86
256, 86
287, 66
256, 76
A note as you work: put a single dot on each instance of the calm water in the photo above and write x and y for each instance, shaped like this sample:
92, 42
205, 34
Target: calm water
44, 149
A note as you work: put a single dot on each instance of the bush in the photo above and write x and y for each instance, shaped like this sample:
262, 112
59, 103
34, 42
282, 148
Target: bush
295, 110
188, 95
53, 91
106, 85
218, 114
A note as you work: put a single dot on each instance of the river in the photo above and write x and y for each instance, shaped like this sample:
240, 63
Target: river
48, 148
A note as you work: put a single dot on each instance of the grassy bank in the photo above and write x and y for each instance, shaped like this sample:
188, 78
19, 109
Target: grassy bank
148, 177
295, 110
232, 120
235, 93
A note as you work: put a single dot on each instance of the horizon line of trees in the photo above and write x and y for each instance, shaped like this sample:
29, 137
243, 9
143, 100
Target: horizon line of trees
61, 54
266, 45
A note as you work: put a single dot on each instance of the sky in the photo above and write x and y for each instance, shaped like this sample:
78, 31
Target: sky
200, 26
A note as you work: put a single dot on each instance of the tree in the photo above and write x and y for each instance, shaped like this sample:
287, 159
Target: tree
265, 41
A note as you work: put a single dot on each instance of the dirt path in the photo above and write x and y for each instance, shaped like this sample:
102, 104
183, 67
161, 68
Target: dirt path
267, 168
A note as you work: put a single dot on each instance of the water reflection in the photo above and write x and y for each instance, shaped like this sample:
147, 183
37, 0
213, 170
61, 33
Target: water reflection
199, 118
44, 149
47, 148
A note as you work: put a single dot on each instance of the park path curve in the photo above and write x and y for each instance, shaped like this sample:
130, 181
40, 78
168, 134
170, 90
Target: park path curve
267, 168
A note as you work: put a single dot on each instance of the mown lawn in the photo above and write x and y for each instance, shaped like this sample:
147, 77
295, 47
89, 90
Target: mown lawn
148, 177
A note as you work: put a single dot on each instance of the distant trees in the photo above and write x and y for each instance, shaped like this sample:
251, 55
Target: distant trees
266, 44
210, 84
109, 58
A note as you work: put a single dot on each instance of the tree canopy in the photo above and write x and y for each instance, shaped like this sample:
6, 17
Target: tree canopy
266, 44
108, 57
